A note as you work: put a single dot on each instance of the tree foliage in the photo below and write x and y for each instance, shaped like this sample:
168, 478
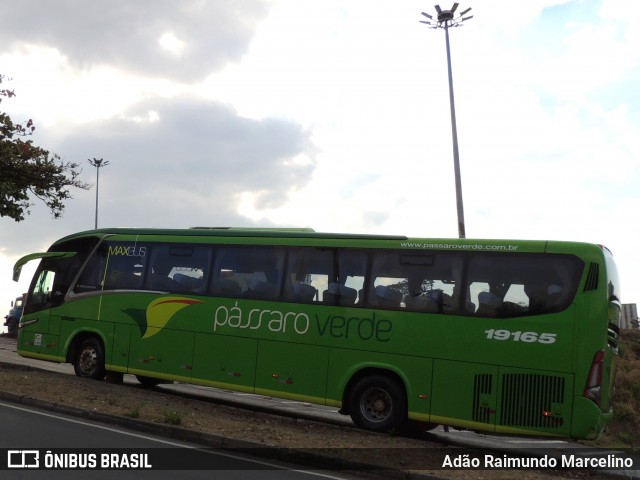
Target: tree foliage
28, 171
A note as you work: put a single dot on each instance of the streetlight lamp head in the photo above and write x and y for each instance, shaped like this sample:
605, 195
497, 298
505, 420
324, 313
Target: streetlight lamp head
446, 18
98, 162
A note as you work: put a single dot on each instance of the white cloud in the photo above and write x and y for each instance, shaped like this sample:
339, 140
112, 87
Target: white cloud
172, 44
125, 34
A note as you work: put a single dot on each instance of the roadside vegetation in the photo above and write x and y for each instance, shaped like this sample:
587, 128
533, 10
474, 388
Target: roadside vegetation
29, 171
624, 431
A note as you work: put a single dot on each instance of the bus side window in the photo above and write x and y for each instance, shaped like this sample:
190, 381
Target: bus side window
543, 297
250, 272
308, 273
388, 282
416, 282
488, 303
508, 285
41, 292
347, 287
338, 294
90, 279
125, 266
179, 268
52, 281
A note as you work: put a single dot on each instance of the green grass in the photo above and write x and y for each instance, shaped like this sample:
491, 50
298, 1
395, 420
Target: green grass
173, 418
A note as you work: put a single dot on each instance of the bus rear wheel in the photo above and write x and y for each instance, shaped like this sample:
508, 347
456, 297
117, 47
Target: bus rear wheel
378, 403
89, 359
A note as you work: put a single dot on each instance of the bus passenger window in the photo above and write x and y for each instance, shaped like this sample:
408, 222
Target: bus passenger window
125, 266
179, 268
542, 297
90, 279
308, 273
387, 295
511, 285
349, 279
338, 294
388, 283
488, 304
250, 272
416, 282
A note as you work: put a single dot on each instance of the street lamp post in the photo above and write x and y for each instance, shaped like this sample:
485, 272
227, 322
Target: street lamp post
98, 163
446, 19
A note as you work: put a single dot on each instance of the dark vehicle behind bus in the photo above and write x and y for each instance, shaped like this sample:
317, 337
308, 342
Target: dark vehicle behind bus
13, 317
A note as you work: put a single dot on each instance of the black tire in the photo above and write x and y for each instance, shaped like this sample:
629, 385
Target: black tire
378, 403
12, 327
89, 359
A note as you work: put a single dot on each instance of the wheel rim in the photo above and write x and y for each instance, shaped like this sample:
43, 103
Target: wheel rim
376, 405
88, 360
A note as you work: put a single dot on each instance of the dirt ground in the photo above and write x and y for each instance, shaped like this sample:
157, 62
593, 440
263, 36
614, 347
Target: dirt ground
224, 425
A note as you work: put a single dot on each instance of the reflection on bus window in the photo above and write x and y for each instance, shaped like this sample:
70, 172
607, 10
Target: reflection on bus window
249, 272
179, 269
348, 286
424, 283
125, 266
53, 279
509, 286
308, 274
42, 288
91, 277
495, 285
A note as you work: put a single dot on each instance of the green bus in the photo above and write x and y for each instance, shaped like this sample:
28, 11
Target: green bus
504, 336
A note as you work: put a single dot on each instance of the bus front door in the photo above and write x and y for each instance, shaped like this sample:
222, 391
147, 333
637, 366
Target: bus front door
39, 333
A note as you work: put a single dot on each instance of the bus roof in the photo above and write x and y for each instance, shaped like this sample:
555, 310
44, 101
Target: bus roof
386, 241
230, 232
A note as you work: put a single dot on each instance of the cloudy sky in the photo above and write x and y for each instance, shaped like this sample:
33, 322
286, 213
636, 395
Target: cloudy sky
332, 114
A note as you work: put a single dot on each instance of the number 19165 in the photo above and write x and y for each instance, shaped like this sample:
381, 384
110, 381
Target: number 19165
518, 336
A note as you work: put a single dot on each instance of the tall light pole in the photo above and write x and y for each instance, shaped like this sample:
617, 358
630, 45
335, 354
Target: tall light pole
98, 163
446, 19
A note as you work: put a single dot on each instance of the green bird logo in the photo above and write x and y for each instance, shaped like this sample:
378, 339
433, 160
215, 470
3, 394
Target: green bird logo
158, 313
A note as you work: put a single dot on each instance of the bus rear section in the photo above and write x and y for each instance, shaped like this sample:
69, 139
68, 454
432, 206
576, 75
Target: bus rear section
598, 331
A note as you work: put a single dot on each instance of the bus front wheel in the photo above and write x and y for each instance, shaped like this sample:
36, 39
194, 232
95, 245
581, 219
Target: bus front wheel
378, 403
89, 360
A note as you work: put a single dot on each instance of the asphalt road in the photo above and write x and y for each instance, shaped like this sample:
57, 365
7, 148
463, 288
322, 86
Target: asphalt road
63, 443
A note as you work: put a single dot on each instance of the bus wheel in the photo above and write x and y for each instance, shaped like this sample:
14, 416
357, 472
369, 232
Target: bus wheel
378, 403
89, 361
12, 327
